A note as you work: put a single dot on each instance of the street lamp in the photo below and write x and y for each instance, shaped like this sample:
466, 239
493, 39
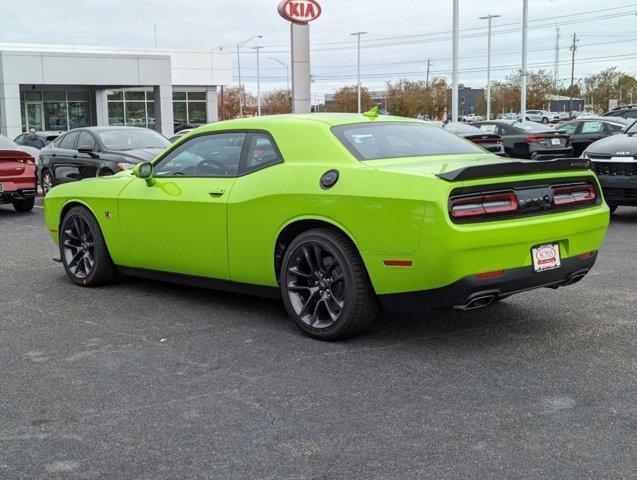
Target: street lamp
358, 35
525, 27
258, 81
454, 68
489, 18
287, 71
242, 96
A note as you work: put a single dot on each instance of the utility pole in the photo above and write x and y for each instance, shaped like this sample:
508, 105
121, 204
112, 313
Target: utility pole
428, 65
258, 82
489, 18
243, 93
556, 68
573, 48
525, 27
358, 35
287, 71
454, 48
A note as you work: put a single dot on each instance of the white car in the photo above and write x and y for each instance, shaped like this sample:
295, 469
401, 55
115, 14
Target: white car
472, 117
542, 116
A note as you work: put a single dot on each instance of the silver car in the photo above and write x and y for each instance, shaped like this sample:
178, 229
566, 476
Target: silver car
542, 116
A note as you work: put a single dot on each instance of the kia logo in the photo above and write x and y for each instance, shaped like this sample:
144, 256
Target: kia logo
300, 11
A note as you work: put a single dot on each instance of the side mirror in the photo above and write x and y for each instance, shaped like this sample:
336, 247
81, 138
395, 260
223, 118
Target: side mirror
88, 151
144, 171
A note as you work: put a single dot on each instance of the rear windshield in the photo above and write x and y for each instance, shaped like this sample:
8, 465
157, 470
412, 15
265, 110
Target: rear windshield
457, 127
130, 139
374, 141
531, 127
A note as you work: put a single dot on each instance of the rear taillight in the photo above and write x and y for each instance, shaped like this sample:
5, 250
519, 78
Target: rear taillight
573, 194
488, 204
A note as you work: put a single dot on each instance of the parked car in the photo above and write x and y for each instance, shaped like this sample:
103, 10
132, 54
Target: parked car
18, 180
489, 141
335, 214
542, 116
529, 139
180, 134
95, 152
627, 111
47, 137
615, 162
586, 130
472, 117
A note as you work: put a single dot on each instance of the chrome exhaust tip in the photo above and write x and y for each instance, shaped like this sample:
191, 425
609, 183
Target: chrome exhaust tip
575, 278
478, 302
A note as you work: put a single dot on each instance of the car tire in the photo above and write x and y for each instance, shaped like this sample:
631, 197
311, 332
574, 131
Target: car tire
325, 286
545, 120
46, 182
83, 250
25, 205
612, 208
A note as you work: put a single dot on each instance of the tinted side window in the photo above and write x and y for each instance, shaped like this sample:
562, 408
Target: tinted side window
613, 128
68, 141
568, 128
261, 152
86, 141
20, 139
488, 127
631, 113
214, 155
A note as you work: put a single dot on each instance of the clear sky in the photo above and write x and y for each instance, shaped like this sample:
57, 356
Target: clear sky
403, 34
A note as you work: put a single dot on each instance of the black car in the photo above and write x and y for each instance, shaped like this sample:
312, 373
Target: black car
97, 151
627, 111
488, 141
615, 162
584, 131
523, 139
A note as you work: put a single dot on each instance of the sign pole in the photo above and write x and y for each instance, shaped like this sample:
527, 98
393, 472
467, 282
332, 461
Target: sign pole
300, 36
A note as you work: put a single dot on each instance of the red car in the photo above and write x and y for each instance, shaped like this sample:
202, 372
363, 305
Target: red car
18, 176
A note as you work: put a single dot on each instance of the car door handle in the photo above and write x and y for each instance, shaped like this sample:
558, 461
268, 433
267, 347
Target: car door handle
217, 192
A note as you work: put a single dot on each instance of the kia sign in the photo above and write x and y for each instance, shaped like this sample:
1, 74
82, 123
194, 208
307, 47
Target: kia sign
300, 11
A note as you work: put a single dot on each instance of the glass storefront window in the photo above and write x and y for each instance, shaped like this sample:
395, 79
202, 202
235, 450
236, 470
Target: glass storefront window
179, 95
116, 113
33, 96
150, 107
196, 95
180, 114
78, 115
55, 116
77, 96
55, 96
136, 114
134, 96
115, 95
197, 112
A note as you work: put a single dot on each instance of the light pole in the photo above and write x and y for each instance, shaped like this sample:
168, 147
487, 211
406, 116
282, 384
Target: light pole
287, 71
358, 35
525, 27
489, 18
454, 74
242, 95
258, 82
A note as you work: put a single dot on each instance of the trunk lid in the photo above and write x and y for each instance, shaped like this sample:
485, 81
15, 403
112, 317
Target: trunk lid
13, 163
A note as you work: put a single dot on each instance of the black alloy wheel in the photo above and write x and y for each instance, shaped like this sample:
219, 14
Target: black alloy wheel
316, 285
47, 182
78, 247
325, 286
83, 251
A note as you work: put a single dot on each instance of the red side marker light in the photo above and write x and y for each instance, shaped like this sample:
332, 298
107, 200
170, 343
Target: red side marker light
586, 255
495, 273
397, 263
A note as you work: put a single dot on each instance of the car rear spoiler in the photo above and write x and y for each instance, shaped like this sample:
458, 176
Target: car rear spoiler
515, 168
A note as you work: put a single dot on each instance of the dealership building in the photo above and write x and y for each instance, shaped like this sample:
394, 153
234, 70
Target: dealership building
55, 87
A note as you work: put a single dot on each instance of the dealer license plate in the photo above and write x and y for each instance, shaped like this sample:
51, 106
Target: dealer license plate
546, 257
556, 141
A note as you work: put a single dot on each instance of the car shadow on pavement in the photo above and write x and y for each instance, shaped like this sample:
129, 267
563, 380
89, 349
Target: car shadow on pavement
624, 215
507, 317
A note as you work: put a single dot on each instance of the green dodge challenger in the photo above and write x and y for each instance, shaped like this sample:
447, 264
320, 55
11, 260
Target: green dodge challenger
338, 215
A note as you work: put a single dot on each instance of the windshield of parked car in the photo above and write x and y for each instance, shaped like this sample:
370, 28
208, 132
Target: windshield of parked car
532, 127
462, 128
374, 141
131, 138
632, 130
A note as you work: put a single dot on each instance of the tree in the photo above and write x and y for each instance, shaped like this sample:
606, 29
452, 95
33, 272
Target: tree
346, 99
276, 101
602, 87
410, 98
229, 102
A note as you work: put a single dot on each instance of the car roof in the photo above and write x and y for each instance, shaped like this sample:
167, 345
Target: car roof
328, 119
621, 120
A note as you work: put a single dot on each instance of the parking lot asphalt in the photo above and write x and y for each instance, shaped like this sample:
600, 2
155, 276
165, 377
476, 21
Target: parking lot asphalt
146, 380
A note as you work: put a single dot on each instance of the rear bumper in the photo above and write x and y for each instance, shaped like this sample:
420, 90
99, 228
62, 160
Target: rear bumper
619, 189
21, 194
465, 290
550, 154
